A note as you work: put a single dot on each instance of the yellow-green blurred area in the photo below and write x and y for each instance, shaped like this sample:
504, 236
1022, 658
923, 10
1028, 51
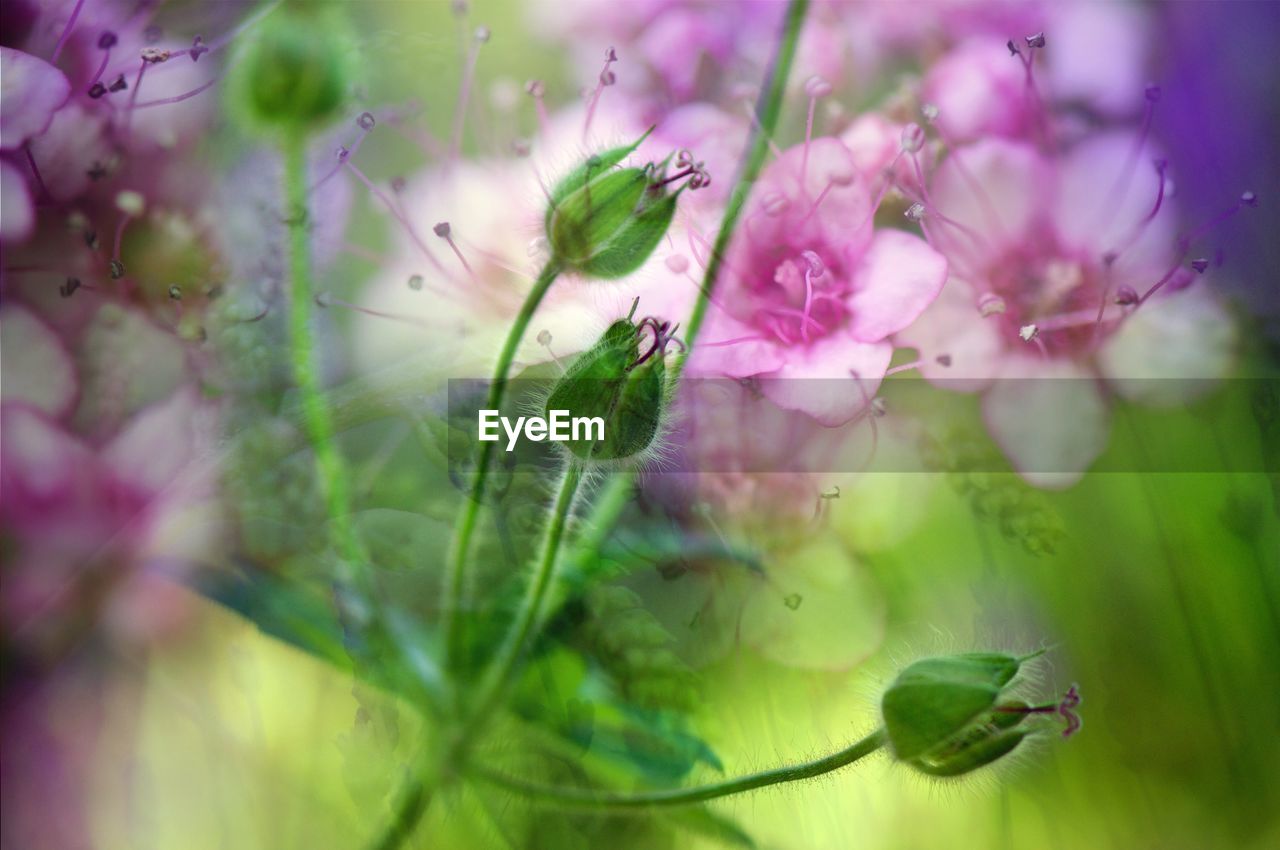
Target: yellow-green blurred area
1161, 613
1160, 600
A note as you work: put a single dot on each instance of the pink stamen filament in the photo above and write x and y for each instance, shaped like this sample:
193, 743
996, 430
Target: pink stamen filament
735, 341
808, 304
1141, 227
750, 109
66, 32
1184, 247
595, 96
448, 237
124, 222
179, 97
330, 301
394, 209
35, 172
464, 95
905, 367
990, 211
808, 138
102, 66
342, 160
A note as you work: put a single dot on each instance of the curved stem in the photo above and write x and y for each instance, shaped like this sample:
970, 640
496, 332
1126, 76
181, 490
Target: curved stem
316, 414
586, 799
502, 669
459, 551
617, 492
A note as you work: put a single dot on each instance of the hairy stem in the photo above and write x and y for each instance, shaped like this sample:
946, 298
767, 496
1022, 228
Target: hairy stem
502, 670
580, 798
316, 414
459, 551
608, 508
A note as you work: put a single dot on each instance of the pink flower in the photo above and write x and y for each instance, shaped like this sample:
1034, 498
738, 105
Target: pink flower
1063, 278
811, 291
93, 522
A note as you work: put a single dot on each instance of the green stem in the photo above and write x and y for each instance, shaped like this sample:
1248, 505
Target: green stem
302, 349
459, 551
587, 799
768, 108
505, 665
617, 492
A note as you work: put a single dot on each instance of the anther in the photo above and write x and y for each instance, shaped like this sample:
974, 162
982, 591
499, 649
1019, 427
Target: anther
816, 87
198, 49
816, 268
155, 55
1200, 265
1126, 296
544, 337
912, 138
175, 293
68, 289
323, 299
1152, 92
943, 360
117, 269
990, 305
398, 184
1036, 40
1249, 199
930, 112
107, 40
482, 34
1028, 332
97, 90
677, 263
415, 282
535, 88
915, 212
118, 85
442, 230
1014, 50
366, 121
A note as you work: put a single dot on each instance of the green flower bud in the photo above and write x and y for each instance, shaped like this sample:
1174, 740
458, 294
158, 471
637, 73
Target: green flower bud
292, 75
604, 221
948, 715
617, 383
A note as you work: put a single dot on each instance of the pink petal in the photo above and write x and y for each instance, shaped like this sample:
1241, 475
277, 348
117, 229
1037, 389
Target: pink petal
900, 275
155, 445
979, 90
38, 371
1172, 350
1099, 54
31, 90
1106, 187
67, 151
832, 379
733, 349
995, 188
958, 348
17, 213
1049, 418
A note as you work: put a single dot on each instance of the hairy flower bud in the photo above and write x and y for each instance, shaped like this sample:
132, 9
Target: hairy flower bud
949, 715
604, 221
294, 75
622, 385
